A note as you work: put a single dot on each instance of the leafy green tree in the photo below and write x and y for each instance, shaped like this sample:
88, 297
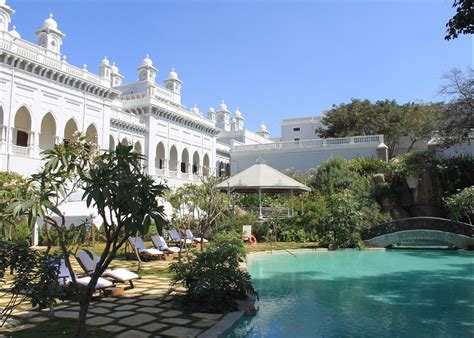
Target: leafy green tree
207, 206
112, 182
456, 119
362, 117
461, 205
335, 175
463, 21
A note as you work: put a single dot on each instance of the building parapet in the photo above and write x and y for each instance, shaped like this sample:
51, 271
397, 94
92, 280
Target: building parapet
324, 143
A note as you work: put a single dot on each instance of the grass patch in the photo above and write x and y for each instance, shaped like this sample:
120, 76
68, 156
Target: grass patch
59, 327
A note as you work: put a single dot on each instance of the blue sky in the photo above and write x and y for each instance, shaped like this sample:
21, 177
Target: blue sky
273, 59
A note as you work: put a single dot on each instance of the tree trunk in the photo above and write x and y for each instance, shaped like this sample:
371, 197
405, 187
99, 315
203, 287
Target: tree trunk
84, 302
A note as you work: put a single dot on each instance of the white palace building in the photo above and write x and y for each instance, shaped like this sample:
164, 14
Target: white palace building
44, 99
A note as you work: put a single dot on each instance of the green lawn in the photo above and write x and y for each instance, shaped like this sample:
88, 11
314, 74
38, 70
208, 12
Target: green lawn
267, 246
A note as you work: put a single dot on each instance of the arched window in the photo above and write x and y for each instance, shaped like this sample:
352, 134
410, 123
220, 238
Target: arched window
137, 148
227, 169
48, 132
111, 143
184, 160
196, 163
221, 169
70, 129
160, 156
22, 127
91, 134
173, 159
206, 164
125, 142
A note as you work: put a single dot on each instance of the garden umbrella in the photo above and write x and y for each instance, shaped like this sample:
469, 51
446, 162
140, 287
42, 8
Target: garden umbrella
259, 178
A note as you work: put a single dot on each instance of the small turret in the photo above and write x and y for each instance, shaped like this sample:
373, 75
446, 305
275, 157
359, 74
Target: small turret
173, 83
146, 72
263, 132
5, 16
211, 114
223, 117
50, 37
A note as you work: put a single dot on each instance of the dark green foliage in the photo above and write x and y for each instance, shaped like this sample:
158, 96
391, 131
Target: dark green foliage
461, 206
463, 21
335, 175
307, 223
35, 276
12, 186
368, 166
261, 231
455, 173
212, 278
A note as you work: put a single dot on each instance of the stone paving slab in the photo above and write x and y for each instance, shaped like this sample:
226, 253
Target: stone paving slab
210, 316
126, 307
176, 320
171, 313
120, 314
133, 334
99, 320
137, 319
113, 328
178, 331
148, 309
152, 327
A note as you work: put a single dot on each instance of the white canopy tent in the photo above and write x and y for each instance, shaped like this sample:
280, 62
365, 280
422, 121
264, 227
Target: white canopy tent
259, 178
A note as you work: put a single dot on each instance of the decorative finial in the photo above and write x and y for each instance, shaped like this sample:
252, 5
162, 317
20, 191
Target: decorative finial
260, 160
84, 66
50, 15
64, 58
14, 28
172, 69
147, 56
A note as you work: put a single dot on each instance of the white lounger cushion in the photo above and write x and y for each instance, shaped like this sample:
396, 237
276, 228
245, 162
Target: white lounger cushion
160, 242
140, 245
190, 236
177, 238
66, 279
121, 275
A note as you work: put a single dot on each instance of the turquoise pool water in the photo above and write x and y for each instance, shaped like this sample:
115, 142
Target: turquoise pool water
370, 293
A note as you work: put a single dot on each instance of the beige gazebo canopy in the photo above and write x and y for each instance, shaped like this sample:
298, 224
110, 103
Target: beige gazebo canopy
261, 177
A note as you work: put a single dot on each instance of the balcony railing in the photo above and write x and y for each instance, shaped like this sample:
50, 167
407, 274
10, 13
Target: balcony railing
313, 143
21, 151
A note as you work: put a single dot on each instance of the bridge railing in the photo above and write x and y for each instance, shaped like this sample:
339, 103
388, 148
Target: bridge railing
419, 223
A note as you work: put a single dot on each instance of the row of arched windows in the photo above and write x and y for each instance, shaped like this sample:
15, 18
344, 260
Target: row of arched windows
23, 136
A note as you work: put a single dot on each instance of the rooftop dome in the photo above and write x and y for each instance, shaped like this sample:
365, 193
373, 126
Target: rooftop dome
172, 75
211, 110
195, 109
114, 68
147, 62
105, 61
13, 32
238, 114
223, 106
50, 22
263, 128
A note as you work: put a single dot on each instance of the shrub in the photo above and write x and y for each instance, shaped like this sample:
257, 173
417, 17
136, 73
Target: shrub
368, 166
348, 216
461, 206
455, 174
212, 278
307, 222
335, 175
12, 186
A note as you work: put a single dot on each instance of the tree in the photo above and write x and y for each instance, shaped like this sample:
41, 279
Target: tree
113, 182
456, 119
206, 205
361, 117
463, 21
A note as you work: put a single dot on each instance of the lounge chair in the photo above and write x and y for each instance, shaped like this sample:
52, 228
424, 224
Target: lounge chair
176, 237
88, 261
65, 279
142, 250
190, 236
160, 243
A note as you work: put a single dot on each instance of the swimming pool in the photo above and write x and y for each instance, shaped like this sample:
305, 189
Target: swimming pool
370, 293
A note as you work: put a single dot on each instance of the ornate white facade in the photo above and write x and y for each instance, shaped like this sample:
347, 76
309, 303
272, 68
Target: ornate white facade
43, 100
